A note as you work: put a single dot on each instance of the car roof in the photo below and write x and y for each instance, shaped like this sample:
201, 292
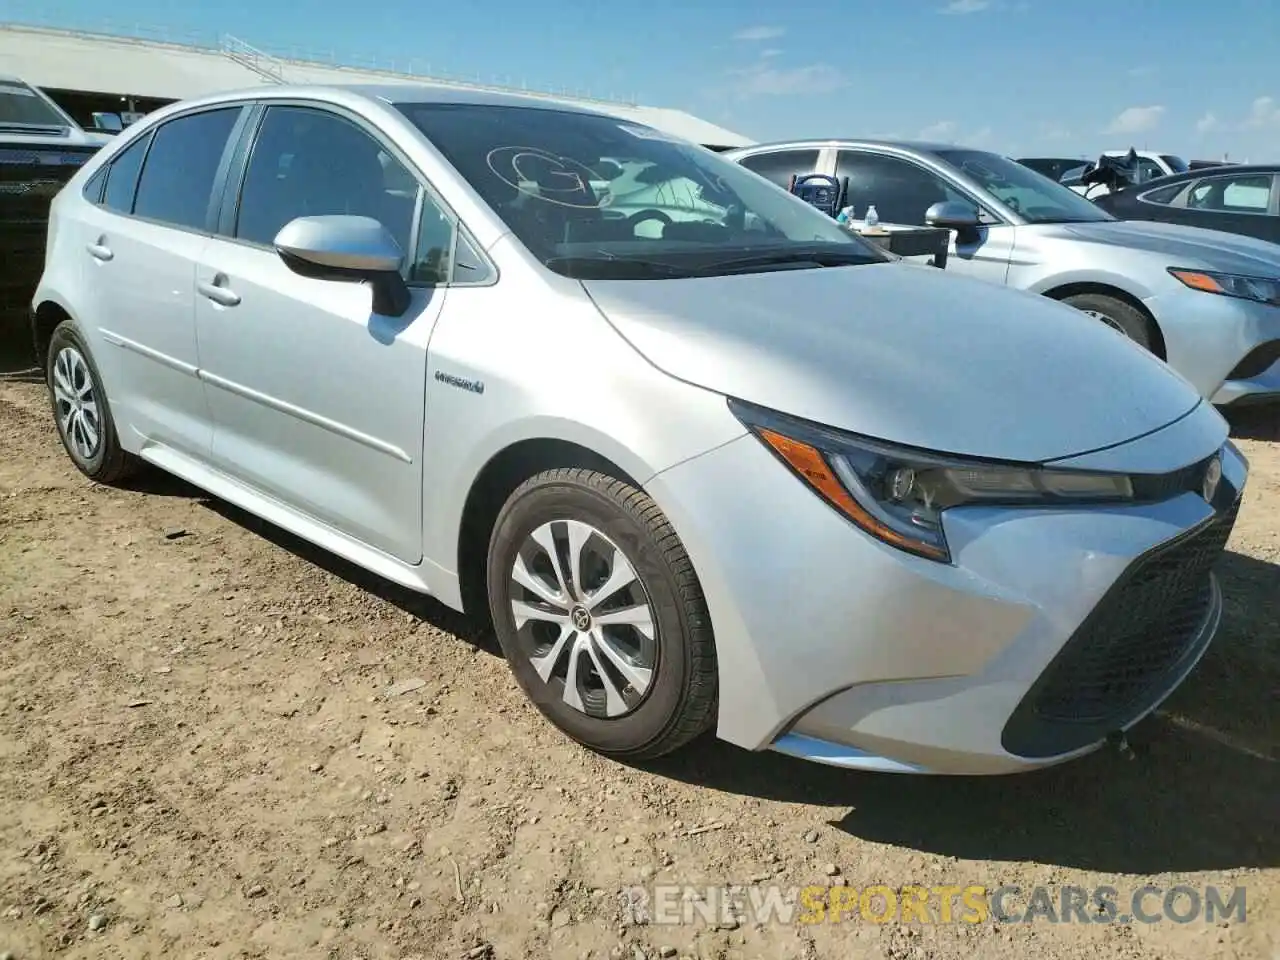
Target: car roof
444, 93
1234, 169
913, 146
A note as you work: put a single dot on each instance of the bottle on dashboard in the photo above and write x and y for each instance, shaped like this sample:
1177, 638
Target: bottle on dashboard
872, 219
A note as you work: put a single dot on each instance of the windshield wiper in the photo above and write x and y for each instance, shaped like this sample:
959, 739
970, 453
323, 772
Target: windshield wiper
615, 268
799, 258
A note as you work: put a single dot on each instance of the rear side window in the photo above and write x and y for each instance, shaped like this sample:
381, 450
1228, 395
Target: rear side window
177, 179
780, 167
1165, 194
122, 176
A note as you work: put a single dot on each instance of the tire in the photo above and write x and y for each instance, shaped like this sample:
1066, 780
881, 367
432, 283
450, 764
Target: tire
654, 713
1126, 318
71, 376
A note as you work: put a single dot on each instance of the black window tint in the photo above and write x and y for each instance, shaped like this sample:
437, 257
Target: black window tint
1245, 193
468, 265
1164, 194
782, 166
122, 176
900, 191
93, 186
177, 180
309, 163
435, 245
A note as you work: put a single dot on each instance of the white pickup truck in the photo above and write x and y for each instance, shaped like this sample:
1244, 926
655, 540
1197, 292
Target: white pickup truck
1151, 164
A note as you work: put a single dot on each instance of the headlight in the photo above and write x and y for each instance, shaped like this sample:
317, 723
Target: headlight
898, 494
1259, 289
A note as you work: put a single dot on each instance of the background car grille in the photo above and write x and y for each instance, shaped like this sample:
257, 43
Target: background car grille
1123, 656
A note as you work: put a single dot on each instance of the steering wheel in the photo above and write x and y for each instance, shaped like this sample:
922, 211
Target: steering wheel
640, 216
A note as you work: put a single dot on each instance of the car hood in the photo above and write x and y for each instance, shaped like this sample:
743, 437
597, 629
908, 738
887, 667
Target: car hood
905, 353
1184, 246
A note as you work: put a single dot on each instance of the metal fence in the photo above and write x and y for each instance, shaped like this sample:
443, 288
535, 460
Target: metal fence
271, 60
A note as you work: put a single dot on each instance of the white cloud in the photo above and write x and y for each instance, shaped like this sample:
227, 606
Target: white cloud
966, 6
1136, 120
1207, 123
765, 81
948, 131
771, 52
1142, 70
1264, 112
756, 34
1054, 131
942, 130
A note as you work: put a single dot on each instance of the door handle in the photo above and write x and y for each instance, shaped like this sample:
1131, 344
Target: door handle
217, 292
100, 251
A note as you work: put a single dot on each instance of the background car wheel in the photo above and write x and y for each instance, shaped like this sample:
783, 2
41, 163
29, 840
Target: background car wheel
81, 411
1126, 318
600, 614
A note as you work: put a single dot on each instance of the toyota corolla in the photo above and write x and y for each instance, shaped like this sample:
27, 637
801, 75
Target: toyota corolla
706, 461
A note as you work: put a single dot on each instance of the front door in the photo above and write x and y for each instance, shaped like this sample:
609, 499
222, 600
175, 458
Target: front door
902, 191
316, 400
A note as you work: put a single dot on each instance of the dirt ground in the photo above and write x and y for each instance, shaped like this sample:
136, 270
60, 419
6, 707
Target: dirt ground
218, 742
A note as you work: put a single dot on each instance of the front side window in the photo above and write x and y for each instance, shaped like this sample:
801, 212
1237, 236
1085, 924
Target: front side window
1176, 164
780, 166
901, 191
597, 196
1239, 194
1036, 199
309, 163
1148, 169
176, 185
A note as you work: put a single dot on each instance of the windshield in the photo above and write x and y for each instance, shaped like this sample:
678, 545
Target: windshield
20, 104
1035, 198
1176, 164
598, 197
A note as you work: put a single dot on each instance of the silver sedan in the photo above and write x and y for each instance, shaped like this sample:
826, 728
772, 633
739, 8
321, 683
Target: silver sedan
703, 459
1205, 301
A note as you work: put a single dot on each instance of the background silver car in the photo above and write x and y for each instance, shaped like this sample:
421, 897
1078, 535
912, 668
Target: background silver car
742, 471
1205, 301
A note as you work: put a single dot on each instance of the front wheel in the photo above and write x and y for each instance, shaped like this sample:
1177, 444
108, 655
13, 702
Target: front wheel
600, 614
1117, 314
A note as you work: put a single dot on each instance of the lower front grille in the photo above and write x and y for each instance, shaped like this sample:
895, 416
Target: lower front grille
1122, 658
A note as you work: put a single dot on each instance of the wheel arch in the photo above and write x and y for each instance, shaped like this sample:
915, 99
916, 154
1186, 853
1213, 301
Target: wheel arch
46, 316
505, 470
1062, 291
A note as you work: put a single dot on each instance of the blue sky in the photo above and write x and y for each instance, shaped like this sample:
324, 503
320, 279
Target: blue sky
1020, 76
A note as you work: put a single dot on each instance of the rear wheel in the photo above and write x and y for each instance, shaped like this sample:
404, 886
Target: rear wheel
81, 410
1117, 314
600, 615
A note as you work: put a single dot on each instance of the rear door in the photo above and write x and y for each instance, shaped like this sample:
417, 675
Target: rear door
142, 239
1245, 203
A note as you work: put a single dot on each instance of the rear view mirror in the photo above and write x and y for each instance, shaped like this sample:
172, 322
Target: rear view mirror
952, 215
350, 249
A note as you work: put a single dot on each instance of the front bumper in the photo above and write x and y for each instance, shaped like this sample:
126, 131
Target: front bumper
1227, 347
837, 648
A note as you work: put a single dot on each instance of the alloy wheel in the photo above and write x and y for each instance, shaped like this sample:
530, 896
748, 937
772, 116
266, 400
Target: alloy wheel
584, 619
76, 403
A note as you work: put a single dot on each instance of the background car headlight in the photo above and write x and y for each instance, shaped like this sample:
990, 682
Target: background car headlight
898, 494
1260, 289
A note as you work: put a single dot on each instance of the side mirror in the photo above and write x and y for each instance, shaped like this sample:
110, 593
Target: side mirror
108, 122
952, 215
347, 249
